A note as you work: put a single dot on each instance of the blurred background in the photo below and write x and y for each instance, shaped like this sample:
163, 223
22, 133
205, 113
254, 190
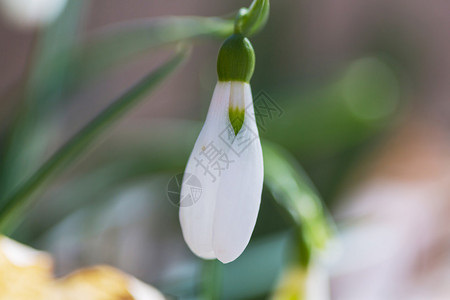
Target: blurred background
359, 94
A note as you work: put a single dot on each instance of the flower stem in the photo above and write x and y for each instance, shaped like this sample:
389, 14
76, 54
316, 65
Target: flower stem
212, 279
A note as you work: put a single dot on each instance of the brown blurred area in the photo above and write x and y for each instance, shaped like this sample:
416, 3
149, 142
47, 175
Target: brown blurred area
314, 39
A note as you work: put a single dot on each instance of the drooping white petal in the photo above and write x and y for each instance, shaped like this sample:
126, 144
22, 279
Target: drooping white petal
229, 168
196, 215
239, 193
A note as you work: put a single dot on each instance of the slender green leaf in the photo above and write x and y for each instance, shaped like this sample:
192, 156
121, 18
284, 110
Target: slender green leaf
76, 146
150, 148
30, 133
293, 190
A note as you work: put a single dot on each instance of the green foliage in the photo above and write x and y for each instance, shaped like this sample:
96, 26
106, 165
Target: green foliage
46, 81
17, 200
293, 190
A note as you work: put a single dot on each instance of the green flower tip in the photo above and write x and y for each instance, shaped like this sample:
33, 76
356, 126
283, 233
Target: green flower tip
236, 116
236, 61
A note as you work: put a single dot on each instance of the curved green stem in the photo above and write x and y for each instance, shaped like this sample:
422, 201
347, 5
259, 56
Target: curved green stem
293, 190
250, 20
117, 43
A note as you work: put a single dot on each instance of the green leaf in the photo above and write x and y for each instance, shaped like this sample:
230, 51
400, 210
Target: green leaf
159, 146
293, 190
50, 78
20, 198
256, 271
250, 21
46, 79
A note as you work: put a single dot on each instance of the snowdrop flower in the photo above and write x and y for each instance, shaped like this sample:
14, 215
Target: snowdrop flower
31, 13
227, 161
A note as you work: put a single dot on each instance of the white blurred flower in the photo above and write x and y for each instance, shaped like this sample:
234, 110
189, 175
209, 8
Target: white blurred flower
227, 161
394, 222
31, 13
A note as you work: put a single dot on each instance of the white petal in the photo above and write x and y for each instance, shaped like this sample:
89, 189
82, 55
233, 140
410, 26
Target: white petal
197, 218
21, 255
239, 193
142, 291
220, 223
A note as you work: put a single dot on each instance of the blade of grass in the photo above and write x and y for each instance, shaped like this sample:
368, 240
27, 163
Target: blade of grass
58, 50
19, 199
29, 132
293, 190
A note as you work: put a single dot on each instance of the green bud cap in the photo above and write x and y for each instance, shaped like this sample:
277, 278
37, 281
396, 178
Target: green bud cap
236, 61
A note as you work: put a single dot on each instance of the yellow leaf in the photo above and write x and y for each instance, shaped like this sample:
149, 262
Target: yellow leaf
26, 274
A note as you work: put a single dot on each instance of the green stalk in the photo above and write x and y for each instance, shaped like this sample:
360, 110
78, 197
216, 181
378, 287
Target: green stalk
19, 199
211, 279
294, 191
